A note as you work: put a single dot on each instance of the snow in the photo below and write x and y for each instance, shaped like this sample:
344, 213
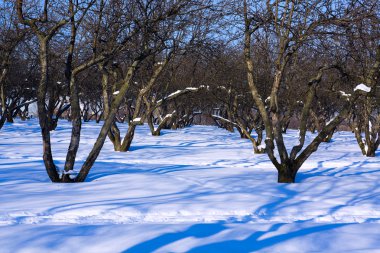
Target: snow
116, 92
174, 93
169, 115
29, 101
344, 94
191, 89
72, 173
262, 146
170, 95
179, 91
198, 189
333, 118
204, 87
137, 120
363, 87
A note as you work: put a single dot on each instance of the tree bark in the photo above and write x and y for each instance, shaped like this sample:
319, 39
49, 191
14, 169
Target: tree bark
128, 138
42, 113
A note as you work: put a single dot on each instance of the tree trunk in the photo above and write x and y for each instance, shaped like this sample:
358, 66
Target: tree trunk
128, 138
114, 132
2, 121
329, 136
75, 131
114, 136
286, 175
4, 72
42, 114
285, 124
371, 151
150, 123
10, 118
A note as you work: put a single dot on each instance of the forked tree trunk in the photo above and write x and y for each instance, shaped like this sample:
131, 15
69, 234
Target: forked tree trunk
168, 120
369, 145
91, 158
257, 147
114, 134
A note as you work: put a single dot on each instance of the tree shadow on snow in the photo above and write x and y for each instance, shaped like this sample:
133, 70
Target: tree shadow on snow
104, 169
321, 170
252, 243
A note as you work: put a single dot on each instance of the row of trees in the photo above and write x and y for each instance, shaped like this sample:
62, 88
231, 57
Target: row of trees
255, 66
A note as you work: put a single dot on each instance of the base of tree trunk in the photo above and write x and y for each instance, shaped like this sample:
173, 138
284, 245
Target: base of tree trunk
10, 119
259, 151
66, 179
2, 122
370, 153
286, 177
126, 146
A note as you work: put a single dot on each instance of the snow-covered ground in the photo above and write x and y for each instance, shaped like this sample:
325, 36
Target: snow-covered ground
198, 189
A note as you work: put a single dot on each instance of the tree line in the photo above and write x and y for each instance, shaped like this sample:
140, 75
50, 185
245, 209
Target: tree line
255, 66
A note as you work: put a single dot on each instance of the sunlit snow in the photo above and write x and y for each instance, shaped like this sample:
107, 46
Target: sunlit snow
198, 189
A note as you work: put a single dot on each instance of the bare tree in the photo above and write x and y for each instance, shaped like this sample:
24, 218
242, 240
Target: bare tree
169, 39
293, 24
12, 36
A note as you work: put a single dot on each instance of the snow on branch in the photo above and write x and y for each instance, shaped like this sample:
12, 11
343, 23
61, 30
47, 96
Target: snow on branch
177, 94
363, 87
169, 115
223, 119
25, 103
344, 94
137, 121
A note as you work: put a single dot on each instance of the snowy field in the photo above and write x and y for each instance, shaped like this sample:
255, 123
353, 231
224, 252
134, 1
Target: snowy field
198, 189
